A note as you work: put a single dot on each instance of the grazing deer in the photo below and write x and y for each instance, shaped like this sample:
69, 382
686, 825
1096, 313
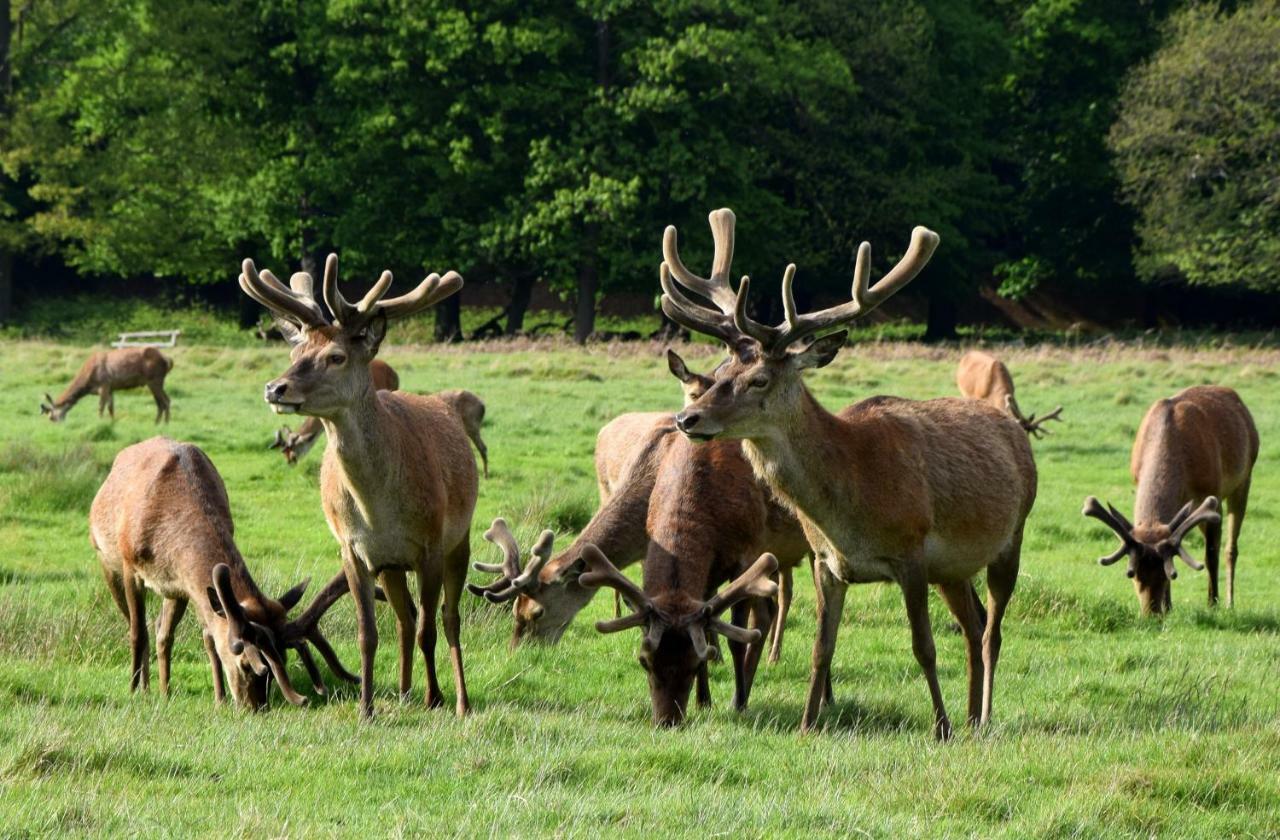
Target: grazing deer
398, 482
470, 410
162, 521
917, 493
295, 445
107, 371
1193, 449
982, 376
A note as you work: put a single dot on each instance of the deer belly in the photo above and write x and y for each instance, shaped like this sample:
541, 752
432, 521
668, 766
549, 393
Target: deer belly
381, 553
856, 568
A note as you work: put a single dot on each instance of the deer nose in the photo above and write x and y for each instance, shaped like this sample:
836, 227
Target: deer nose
686, 420
275, 390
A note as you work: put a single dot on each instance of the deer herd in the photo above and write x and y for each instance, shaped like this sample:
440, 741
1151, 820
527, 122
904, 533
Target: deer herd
718, 502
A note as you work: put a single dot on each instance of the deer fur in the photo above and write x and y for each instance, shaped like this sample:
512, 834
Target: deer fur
470, 410
1193, 450
161, 521
981, 376
398, 483
107, 371
916, 493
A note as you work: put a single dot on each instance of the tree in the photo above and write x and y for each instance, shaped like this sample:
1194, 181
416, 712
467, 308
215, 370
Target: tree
1195, 144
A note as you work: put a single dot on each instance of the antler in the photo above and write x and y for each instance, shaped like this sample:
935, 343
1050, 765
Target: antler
306, 628
600, 572
716, 289
1031, 425
1186, 519
1114, 520
753, 583
431, 290
231, 608
296, 303
513, 580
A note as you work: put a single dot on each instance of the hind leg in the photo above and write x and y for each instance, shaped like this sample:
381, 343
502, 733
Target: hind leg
1002, 576
1237, 503
455, 576
162, 401
960, 598
171, 613
139, 642
393, 583
786, 591
915, 596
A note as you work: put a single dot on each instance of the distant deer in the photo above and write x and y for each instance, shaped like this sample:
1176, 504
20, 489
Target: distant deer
1192, 449
917, 493
470, 410
547, 594
982, 376
162, 521
398, 482
107, 371
295, 445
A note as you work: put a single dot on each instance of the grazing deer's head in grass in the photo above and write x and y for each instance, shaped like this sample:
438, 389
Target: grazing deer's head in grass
1152, 548
539, 616
330, 369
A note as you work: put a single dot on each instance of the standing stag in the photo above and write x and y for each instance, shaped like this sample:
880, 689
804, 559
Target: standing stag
1192, 449
917, 493
114, 370
162, 521
981, 376
398, 482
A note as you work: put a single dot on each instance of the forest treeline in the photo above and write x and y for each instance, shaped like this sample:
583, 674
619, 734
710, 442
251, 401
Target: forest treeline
532, 142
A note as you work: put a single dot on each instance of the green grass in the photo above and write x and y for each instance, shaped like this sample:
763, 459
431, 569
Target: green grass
1107, 724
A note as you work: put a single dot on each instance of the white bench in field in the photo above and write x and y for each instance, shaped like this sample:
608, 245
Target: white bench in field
148, 338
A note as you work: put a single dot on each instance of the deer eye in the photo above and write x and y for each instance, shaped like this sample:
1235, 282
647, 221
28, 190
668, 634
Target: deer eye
758, 382
336, 359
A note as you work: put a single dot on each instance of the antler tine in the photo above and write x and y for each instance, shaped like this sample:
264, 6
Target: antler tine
301, 626
230, 606
600, 572
1206, 512
716, 288
1094, 509
695, 316
293, 304
753, 583
343, 312
430, 291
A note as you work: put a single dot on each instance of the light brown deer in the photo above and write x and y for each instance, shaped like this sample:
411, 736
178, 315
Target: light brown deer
981, 376
295, 445
917, 493
398, 482
107, 371
1193, 449
161, 521
470, 410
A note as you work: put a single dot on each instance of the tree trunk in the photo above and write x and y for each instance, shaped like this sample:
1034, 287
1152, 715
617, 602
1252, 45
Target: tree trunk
449, 319
941, 321
6, 90
584, 319
521, 293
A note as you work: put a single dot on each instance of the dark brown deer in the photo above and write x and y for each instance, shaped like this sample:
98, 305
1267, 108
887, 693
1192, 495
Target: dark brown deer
398, 483
161, 521
916, 493
981, 376
295, 445
107, 371
1192, 450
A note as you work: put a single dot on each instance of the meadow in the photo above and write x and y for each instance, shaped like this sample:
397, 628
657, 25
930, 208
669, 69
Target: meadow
1107, 724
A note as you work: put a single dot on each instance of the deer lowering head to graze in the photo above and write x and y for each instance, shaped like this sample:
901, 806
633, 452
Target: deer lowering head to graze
1192, 450
917, 493
982, 376
161, 521
398, 482
107, 371
470, 410
295, 445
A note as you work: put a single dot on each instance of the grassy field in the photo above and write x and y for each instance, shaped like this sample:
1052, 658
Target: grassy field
1107, 724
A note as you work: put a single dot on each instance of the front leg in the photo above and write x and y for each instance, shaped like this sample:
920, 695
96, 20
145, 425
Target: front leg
915, 593
140, 644
361, 583
830, 607
219, 680
171, 613
393, 583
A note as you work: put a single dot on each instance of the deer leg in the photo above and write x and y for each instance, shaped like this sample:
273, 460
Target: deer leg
115, 585
704, 687
915, 594
361, 584
830, 606
1236, 504
104, 394
738, 651
429, 593
171, 612
162, 401
393, 583
760, 615
1212, 545
786, 590
219, 681
136, 600
1002, 576
455, 576
959, 597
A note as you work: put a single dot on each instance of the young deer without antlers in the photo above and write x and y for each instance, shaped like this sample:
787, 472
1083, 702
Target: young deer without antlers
546, 595
295, 445
398, 483
917, 493
162, 521
114, 370
981, 376
1192, 449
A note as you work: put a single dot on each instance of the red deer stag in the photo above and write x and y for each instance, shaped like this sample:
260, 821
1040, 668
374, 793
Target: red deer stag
114, 370
981, 376
398, 482
1192, 449
916, 493
295, 445
162, 521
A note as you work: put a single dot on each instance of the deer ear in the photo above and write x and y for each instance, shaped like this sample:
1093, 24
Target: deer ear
677, 366
290, 599
290, 331
214, 601
374, 332
821, 352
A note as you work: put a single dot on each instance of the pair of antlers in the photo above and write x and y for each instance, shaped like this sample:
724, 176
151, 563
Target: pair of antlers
297, 301
729, 321
1181, 524
1031, 425
512, 579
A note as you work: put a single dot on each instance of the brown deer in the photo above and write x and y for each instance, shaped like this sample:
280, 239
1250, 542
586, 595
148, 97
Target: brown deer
1193, 449
295, 445
107, 371
161, 521
916, 493
398, 482
981, 376
470, 410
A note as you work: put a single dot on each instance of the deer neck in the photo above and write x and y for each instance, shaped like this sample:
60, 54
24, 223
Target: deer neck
793, 461
360, 438
1162, 479
79, 387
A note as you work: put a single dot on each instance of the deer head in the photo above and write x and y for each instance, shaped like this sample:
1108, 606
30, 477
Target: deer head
541, 607
330, 367
757, 389
1151, 548
293, 445
251, 638
694, 385
677, 629
55, 412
